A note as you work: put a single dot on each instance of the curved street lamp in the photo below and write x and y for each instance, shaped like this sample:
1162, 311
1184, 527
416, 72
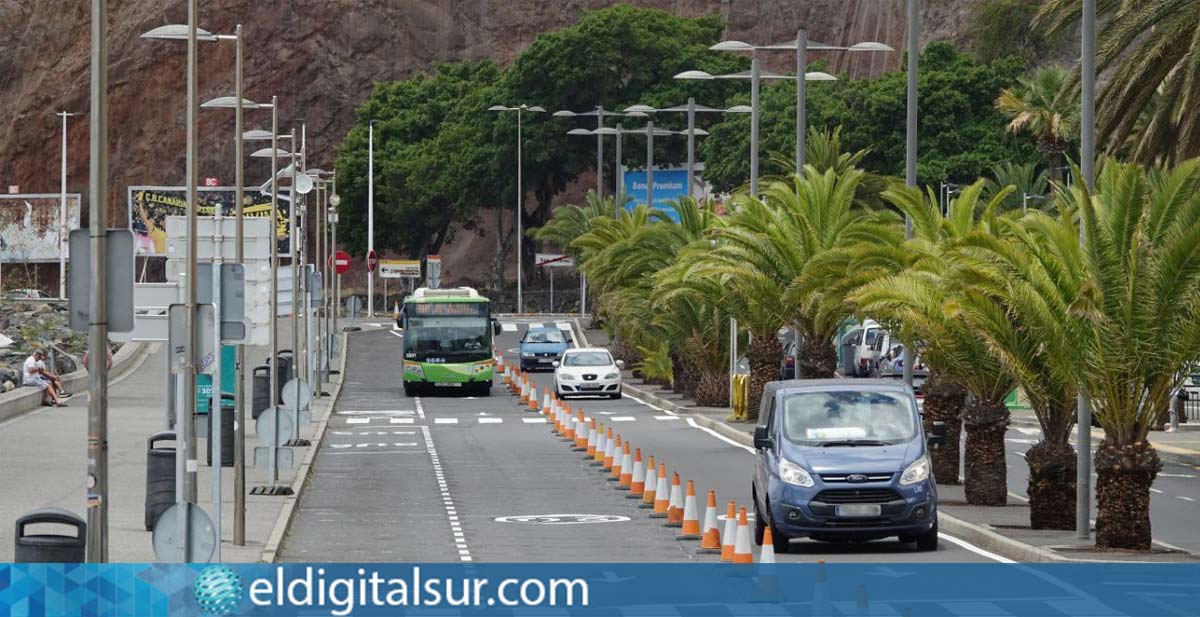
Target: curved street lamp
520, 109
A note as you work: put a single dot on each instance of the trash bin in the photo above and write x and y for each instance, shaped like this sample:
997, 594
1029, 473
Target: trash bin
50, 548
286, 364
160, 476
261, 398
228, 418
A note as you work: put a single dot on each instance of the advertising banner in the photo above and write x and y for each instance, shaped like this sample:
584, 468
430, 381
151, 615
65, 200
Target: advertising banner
29, 226
149, 207
669, 185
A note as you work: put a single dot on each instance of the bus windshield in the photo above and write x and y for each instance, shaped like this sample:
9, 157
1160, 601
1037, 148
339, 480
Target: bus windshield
444, 336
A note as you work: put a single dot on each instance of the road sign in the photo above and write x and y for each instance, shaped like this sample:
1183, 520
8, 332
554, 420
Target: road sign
553, 260
119, 284
275, 422
400, 269
372, 261
206, 352
233, 298
201, 538
340, 261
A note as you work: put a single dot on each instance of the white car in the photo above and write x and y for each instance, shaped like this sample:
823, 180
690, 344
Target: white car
587, 371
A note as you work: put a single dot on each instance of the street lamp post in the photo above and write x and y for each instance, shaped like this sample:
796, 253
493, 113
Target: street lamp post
371, 215
520, 195
62, 211
1087, 167
691, 108
910, 137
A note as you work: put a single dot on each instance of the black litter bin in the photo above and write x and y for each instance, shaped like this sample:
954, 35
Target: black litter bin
160, 476
50, 548
261, 399
228, 418
286, 365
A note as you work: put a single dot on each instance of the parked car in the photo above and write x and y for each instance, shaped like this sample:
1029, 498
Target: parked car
844, 460
790, 343
588, 371
891, 366
862, 347
541, 347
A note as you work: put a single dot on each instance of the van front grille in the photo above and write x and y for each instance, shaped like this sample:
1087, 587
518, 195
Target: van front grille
858, 495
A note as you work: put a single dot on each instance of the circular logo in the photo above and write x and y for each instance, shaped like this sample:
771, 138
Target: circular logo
218, 590
562, 519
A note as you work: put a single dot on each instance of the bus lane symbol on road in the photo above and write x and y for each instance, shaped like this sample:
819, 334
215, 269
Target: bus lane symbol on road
562, 519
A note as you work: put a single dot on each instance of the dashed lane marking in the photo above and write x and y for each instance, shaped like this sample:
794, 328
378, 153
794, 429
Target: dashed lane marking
1184, 498
420, 408
1156, 491
456, 530
623, 419
378, 412
445, 420
358, 420
666, 417
533, 420
508, 327
401, 420
491, 420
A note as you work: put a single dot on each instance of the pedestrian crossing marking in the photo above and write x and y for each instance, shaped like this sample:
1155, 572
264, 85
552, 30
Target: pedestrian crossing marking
401, 420
623, 419
533, 420
666, 417
491, 420
445, 420
358, 420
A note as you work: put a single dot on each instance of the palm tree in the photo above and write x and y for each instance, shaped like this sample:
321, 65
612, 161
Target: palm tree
1138, 312
569, 222
1148, 51
1025, 179
1037, 105
922, 304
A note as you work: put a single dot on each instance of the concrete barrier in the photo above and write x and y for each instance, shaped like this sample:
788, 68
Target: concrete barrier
24, 399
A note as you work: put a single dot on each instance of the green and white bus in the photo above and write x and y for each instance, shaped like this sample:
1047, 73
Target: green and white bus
448, 340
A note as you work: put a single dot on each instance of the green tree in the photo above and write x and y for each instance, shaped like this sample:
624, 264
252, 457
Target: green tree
1150, 56
1025, 179
961, 133
1003, 28
1038, 105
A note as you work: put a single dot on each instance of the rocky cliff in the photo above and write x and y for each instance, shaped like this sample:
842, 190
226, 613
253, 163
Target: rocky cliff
320, 57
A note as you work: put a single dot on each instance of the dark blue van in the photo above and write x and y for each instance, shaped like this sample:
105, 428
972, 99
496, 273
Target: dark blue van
541, 347
844, 460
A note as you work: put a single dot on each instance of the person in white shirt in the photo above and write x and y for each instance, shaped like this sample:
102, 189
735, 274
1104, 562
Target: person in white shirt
34, 374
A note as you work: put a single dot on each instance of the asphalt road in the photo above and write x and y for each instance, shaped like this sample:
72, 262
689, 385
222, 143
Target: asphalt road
444, 478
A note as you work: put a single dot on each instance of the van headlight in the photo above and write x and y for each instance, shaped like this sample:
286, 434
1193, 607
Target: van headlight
794, 474
918, 471
526, 354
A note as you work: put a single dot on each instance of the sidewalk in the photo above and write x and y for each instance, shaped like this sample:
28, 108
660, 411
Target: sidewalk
1182, 446
43, 455
1001, 530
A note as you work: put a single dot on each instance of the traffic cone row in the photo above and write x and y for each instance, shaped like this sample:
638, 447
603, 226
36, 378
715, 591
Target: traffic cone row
662, 494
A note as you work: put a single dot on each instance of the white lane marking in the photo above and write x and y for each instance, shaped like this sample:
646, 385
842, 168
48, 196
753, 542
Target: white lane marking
402, 444
491, 420
445, 421
1176, 475
666, 417
361, 445
1156, 491
1027, 441
460, 540
401, 420
358, 420
373, 452
397, 334
508, 327
654, 407
533, 420
378, 412
974, 549
420, 407
534, 326
692, 423
623, 419
1184, 498
1028, 431
339, 445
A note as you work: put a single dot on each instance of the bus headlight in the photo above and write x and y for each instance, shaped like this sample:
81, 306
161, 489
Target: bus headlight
480, 368
412, 368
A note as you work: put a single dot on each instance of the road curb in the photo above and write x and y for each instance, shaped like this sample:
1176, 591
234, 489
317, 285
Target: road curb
1166, 452
988, 540
270, 550
23, 400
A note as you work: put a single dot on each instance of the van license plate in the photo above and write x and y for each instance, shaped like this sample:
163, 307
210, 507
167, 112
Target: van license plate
858, 510
445, 384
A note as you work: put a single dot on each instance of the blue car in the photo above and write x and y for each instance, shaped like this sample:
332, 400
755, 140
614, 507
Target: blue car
541, 347
844, 460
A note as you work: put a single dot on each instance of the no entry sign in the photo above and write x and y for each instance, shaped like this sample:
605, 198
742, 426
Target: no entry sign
372, 261
340, 261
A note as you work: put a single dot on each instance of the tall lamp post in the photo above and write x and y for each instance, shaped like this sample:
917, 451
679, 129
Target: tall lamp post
520, 109
1087, 167
371, 215
62, 211
600, 114
691, 108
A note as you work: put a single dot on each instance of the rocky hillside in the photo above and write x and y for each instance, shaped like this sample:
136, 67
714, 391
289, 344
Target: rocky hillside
320, 57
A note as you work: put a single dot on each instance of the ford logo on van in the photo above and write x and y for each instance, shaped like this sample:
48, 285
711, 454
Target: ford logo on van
856, 477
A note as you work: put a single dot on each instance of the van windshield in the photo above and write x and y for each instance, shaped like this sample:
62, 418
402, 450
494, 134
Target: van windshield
848, 418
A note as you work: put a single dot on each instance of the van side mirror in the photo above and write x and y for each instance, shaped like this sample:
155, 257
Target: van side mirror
937, 436
495, 328
762, 439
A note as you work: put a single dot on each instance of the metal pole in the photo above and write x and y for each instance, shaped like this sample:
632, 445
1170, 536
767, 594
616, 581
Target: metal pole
1087, 163
62, 214
801, 97
691, 145
215, 400
319, 267
371, 215
302, 267
620, 169
274, 361
187, 433
239, 426
520, 213
295, 250
755, 72
649, 164
600, 153
97, 449
910, 167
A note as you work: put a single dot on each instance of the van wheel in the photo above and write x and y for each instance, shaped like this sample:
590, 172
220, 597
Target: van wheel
928, 541
760, 524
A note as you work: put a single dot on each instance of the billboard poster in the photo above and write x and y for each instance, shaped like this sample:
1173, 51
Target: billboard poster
669, 185
29, 226
149, 207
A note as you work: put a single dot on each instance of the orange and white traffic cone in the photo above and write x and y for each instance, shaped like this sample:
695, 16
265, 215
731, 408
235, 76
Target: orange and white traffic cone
741, 545
691, 518
568, 424
710, 542
601, 445
767, 555
592, 439
730, 533
617, 459
524, 390
675, 509
637, 482
610, 449
651, 484
662, 493
505, 377
546, 402
625, 478
533, 402
513, 383
581, 433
